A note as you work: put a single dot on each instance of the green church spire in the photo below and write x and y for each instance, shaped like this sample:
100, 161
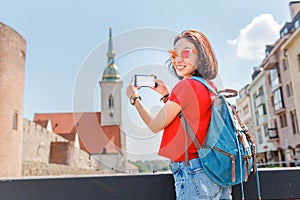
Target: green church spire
111, 72
110, 53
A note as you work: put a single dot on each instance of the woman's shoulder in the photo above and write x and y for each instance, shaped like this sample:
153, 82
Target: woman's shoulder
189, 81
197, 85
200, 86
188, 85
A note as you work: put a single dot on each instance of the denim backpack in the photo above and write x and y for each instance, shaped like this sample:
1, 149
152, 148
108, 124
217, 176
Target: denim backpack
228, 153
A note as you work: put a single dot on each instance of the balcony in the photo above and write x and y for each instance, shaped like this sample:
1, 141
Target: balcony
276, 183
270, 61
279, 110
262, 119
273, 134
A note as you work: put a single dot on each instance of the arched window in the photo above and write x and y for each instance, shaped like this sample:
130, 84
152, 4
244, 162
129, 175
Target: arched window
111, 101
15, 121
104, 151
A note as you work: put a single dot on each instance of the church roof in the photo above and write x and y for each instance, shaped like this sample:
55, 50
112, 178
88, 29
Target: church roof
93, 138
111, 73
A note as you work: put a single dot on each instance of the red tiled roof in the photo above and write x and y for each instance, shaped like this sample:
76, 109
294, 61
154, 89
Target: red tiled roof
62, 123
93, 138
43, 123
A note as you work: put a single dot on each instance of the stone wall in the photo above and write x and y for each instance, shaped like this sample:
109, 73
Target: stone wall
36, 152
30, 168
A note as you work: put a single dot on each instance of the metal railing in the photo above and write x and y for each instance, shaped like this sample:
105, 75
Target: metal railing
279, 164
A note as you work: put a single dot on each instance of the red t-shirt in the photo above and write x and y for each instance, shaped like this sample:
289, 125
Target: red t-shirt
195, 101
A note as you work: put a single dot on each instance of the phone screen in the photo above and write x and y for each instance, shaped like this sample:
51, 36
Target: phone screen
144, 80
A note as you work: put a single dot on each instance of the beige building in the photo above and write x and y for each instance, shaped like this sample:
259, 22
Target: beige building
284, 124
244, 110
291, 49
259, 111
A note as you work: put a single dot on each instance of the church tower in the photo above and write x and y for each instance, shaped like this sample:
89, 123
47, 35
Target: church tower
111, 89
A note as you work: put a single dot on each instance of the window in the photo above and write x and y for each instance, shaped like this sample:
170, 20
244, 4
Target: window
245, 109
266, 130
284, 31
294, 121
274, 76
111, 101
283, 121
289, 89
262, 109
285, 64
15, 121
104, 151
272, 131
278, 100
269, 78
256, 117
260, 91
272, 101
260, 138
298, 61
296, 25
254, 97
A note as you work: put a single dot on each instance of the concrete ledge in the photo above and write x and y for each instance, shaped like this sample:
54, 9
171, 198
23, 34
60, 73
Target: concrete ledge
279, 183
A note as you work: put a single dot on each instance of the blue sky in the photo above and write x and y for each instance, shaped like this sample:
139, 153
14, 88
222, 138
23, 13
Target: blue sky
61, 35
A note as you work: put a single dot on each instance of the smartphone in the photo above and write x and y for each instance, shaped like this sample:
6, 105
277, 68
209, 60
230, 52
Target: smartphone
144, 80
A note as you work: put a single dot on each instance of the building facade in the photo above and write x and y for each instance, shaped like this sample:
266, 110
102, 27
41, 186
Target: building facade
244, 110
259, 110
291, 50
281, 69
284, 131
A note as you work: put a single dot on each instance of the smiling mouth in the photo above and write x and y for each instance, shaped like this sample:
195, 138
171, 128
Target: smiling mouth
180, 67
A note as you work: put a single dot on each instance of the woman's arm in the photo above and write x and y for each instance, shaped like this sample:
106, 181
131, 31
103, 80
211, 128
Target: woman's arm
164, 117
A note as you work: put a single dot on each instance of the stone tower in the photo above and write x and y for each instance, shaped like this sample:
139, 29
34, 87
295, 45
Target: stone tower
12, 73
111, 90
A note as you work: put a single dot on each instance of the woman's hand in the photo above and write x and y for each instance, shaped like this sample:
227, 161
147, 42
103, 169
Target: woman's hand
160, 88
132, 91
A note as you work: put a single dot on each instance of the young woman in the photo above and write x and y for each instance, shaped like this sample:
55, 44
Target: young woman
192, 56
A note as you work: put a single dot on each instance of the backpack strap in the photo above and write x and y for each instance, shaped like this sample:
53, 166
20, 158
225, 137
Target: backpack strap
248, 137
189, 132
206, 84
228, 92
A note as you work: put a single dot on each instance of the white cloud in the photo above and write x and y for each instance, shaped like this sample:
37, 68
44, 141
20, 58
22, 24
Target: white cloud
251, 42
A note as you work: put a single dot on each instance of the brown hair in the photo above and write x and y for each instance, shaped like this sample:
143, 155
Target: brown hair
208, 66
